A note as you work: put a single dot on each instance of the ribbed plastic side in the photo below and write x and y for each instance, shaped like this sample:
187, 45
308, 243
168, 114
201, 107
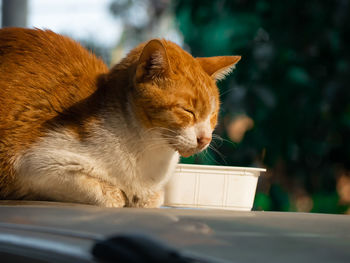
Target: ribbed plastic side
219, 187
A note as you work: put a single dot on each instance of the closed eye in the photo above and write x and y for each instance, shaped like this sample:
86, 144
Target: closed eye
189, 111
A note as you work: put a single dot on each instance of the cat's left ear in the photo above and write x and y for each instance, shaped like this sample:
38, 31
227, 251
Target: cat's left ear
218, 67
153, 62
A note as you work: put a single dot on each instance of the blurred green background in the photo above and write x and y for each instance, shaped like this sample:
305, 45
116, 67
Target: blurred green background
288, 97
287, 105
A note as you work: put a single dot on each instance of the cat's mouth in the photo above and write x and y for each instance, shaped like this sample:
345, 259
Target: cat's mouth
188, 152
186, 147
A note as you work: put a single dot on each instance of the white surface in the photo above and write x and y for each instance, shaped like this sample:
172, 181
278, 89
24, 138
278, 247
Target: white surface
223, 187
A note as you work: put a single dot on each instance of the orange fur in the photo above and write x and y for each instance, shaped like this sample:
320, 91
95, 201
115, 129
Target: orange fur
42, 74
48, 81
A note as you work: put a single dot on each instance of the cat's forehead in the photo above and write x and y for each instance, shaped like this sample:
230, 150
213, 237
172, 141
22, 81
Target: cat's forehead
187, 68
196, 86
183, 62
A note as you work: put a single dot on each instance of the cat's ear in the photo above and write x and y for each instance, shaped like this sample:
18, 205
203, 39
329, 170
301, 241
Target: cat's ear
153, 62
218, 67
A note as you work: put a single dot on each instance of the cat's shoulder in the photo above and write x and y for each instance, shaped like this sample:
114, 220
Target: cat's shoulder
39, 67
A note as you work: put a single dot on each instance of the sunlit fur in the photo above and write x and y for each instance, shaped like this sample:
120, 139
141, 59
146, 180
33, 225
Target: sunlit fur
72, 130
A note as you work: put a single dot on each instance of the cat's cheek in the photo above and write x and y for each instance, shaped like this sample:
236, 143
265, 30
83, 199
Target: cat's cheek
190, 138
213, 121
186, 142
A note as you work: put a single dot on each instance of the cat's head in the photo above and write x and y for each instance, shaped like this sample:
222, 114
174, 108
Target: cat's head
176, 94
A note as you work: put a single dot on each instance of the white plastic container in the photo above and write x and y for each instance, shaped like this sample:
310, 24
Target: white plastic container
220, 187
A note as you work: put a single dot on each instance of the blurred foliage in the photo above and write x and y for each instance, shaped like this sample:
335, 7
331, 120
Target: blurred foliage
99, 51
141, 21
292, 82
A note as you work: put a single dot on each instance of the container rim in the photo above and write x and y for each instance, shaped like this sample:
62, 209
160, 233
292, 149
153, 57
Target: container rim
182, 166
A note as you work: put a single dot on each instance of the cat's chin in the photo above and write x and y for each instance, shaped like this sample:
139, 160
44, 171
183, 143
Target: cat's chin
186, 154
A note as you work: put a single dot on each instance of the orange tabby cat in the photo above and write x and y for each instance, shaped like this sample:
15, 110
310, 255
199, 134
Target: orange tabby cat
72, 130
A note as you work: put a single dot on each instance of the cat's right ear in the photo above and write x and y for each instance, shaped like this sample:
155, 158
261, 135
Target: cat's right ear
218, 67
153, 62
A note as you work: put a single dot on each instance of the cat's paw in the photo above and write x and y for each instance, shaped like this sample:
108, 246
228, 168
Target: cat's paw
113, 197
154, 200
113, 203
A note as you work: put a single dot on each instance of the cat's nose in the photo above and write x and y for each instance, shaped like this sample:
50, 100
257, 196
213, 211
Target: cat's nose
203, 141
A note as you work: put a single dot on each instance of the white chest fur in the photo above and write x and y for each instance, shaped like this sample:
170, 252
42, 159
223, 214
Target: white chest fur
113, 154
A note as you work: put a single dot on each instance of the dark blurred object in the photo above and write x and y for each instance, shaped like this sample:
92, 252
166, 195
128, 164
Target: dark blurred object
14, 13
292, 82
136, 249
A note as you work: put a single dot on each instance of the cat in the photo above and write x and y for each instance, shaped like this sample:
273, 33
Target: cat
71, 130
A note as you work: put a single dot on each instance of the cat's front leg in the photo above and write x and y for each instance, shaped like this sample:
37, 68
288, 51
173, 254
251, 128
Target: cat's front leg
81, 188
66, 183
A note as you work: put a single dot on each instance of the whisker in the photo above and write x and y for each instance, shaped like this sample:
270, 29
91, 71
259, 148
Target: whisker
218, 137
150, 147
159, 129
225, 92
209, 157
218, 144
218, 153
